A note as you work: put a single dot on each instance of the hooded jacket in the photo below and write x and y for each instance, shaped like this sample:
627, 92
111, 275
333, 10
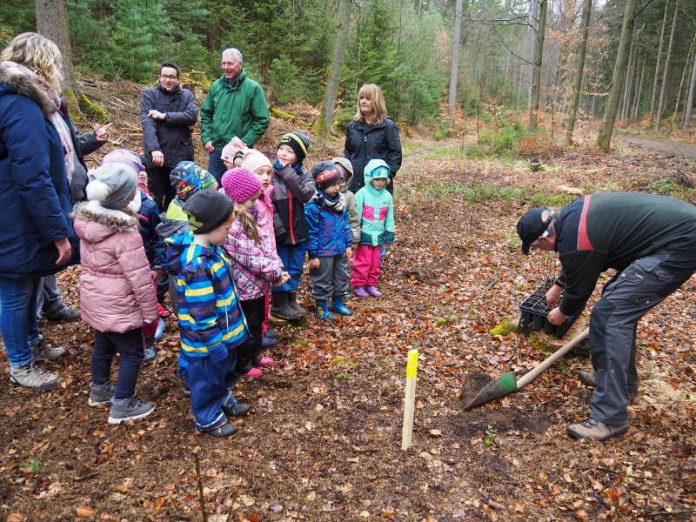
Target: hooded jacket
116, 291
34, 194
365, 142
376, 210
238, 109
149, 219
172, 136
353, 216
209, 313
329, 231
292, 188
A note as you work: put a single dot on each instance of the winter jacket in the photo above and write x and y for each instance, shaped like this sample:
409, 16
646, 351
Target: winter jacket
329, 231
353, 216
233, 110
292, 188
116, 290
365, 142
84, 144
149, 219
34, 193
173, 221
172, 136
263, 209
611, 230
210, 316
376, 211
253, 268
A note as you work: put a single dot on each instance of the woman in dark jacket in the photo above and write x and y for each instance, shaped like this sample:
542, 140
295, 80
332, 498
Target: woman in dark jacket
36, 233
372, 135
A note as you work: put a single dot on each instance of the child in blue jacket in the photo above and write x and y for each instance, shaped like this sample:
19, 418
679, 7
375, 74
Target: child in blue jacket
330, 239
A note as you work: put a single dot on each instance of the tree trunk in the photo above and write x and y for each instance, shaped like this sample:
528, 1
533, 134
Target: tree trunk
52, 22
336, 65
454, 72
617, 80
586, 15
657, 66
685, 72
628, 84
538, 56
690, 98
636, 102
665, 72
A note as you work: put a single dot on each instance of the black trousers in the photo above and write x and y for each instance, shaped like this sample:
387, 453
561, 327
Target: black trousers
249, 353
159, 186
129, 346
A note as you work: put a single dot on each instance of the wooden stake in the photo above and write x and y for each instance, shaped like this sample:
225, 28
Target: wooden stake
201, 495
409, 399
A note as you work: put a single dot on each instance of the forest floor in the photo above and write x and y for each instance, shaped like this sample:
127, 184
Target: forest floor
322, 442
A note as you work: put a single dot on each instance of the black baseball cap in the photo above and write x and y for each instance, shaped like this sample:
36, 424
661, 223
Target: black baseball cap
532, 225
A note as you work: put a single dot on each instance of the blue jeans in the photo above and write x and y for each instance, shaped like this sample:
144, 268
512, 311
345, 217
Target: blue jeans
18, 323
293, 258
215, 165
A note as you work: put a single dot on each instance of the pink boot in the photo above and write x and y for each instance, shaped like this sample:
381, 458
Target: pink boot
254, 373
360, 292
373, 291
266, 362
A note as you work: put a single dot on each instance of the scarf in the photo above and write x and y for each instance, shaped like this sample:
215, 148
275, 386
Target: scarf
297, 166
335, 204
55, 118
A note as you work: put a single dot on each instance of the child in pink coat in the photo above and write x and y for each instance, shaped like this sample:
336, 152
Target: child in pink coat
254, 267
116, 296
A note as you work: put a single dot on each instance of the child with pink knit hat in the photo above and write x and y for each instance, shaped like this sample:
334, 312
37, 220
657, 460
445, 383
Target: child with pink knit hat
254, 266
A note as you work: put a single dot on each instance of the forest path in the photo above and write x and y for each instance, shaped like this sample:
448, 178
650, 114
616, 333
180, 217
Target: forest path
662, 145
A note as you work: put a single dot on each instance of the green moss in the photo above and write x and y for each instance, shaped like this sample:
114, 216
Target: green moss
504, 328
92, 111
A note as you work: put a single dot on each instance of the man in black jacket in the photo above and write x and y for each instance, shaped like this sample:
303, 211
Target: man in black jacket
167, 113
651, 242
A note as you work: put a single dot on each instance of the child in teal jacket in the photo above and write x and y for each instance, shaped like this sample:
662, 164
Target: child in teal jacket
375, 207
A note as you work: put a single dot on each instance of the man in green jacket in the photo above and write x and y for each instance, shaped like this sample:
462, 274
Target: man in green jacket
235, 107
651, 243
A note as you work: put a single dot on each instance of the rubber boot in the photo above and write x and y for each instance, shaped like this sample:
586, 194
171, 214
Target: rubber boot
339, 306
323, 311
295, 306
280, 307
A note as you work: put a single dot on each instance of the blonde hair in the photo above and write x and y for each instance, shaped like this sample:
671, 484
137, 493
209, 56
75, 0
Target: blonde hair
373, 93
39, 54
247, 221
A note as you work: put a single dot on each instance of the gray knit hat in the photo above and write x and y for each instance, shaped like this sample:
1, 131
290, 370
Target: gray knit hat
112, 185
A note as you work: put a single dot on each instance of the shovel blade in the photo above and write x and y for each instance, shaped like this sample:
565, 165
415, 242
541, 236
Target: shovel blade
497, 388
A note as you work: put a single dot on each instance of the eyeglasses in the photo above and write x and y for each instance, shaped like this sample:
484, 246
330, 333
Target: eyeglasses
169, 77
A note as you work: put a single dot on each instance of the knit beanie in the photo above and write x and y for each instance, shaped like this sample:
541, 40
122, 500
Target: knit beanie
127, 157
326, 174
240, 185
188, 177
345, 163
113, 185
207, 210
298, 142
229, 152
254, 160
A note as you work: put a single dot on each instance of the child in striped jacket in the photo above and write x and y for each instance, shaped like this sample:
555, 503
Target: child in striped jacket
211, 321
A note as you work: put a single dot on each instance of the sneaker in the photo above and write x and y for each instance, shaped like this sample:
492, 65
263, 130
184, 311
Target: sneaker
238, 410
266, 362
41, 351
162, 311
129, 409
254, 373
268, 342
595, 430
149, 353
361, 292
100, 394
373, 291
226, 430
66, 314
32, 376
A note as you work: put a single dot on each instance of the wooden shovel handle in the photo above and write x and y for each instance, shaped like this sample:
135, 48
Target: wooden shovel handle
546, 363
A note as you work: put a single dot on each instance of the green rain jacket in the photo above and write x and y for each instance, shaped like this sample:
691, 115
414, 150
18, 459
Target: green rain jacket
233, 110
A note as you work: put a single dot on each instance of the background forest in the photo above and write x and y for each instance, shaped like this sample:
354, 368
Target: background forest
405, 46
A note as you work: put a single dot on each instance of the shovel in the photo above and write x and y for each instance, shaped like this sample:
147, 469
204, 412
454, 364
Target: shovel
508, 382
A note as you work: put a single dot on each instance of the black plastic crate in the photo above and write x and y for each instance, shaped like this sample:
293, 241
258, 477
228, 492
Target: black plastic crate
535, 310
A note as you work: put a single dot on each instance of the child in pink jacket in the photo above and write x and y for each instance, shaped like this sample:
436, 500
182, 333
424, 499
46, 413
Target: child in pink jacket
116, 296
254, 266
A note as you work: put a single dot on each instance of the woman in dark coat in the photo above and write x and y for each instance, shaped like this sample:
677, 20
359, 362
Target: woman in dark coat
36, 233
372, 135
